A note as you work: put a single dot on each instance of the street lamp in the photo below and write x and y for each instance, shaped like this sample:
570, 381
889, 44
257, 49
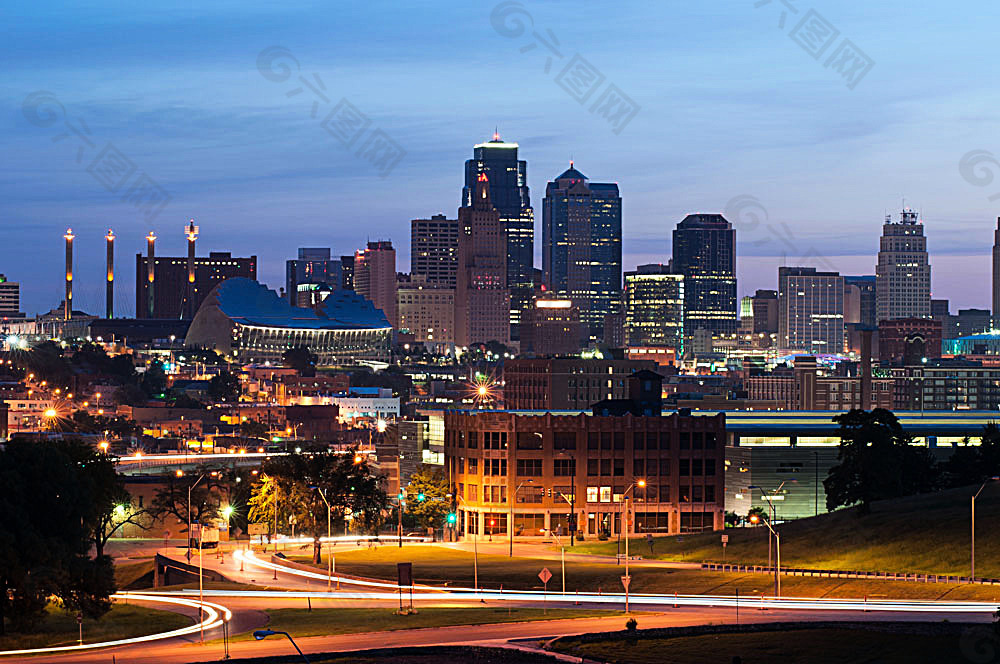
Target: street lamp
640, 484
400, 498
475, 543
973, 547
329, 539
180, 473
572, 499
770, 502
755, 519
264, 633
510, 524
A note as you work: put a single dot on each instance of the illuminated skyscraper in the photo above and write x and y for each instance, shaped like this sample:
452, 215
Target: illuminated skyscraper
903, 273
508, 183
704, 247
375, 277
582, 246
312, 267
434, 250
810, 310
654, 307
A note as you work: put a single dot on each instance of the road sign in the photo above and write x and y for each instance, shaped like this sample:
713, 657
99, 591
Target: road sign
545, 575
626, 580
257, 528
79, 619
405, 573
725, 540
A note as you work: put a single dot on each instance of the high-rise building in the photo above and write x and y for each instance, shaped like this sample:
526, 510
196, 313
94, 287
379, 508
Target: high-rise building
161, 292
996, 276
903, 273
375, 277
347, 272
859, 300
654, 307
482, 300
764, 312
704, 249
10, 299
810, 310
313, 267
434, 250
551, 327
427, 310
582, 246
507, 177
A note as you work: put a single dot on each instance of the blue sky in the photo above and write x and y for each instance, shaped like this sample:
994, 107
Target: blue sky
729, 106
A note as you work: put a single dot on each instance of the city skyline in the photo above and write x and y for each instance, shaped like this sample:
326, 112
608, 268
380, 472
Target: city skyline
263, 162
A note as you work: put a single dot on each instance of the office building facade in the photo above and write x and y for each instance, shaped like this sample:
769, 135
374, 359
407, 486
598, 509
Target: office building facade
507, 177
10, 299
704, 251
582, 246
427, 311
434, 250
313, 267
810, 310
162, 292
903, 273
375, 277
654, 307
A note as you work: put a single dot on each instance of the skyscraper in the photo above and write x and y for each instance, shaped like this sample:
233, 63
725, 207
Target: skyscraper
313, 266
508, 183
704, 251
161, 284
482, 301
903, 273
996, 275
434, 251
375, 277
582, 246
10, 299
859, 300
810, 310
654, 307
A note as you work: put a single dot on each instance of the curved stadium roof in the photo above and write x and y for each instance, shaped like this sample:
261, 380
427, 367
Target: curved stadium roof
249, 303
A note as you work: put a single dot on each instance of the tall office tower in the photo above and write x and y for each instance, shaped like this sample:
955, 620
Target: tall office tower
704, 251
434, 250
764, 311
810, 310
654, 307
859, 300
347, 272
582, 246
162, 282
903, 273
508, 182
312, 268
482, 300
375, 277
10, 299
996, 276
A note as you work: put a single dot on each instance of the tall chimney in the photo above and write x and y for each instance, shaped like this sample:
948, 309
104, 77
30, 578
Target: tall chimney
109, 309
192, 234
68, 302
150, 271
866, 368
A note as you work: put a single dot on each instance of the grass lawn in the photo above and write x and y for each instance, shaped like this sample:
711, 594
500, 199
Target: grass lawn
321, 622
131, 575
123, 621
435, 655
927, 533
438, 566
812, 646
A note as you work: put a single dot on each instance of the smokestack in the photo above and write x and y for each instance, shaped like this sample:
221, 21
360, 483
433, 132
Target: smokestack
150, 264
866, 368
110, 286
68, 302
192, 234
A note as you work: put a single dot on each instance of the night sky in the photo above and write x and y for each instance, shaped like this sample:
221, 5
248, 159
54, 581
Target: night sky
729, 107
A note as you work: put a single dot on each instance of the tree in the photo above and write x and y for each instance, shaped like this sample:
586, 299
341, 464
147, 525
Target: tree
253, 429
877, 460
291, 486
154, 380
427, 496
224, 387
973, 464
48, 507
112, 501
759, 512
301, 359
172, 499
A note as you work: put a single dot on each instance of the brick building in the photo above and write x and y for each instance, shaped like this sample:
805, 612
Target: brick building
566, 383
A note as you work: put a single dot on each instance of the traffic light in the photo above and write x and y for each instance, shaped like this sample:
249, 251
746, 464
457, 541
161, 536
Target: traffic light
550, 492
421, 497
452, 518
401, 495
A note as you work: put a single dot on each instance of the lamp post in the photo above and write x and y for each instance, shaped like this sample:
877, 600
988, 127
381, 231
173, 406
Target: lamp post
572, 499
475, 544
640, 484
264, 633
510, 523
180, 473
400, 497
777, 541
770, 503
973, 547
329, 539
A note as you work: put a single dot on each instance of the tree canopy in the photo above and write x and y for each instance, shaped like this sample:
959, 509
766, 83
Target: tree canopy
427, 498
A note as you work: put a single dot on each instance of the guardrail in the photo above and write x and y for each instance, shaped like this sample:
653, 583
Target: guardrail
844, 574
